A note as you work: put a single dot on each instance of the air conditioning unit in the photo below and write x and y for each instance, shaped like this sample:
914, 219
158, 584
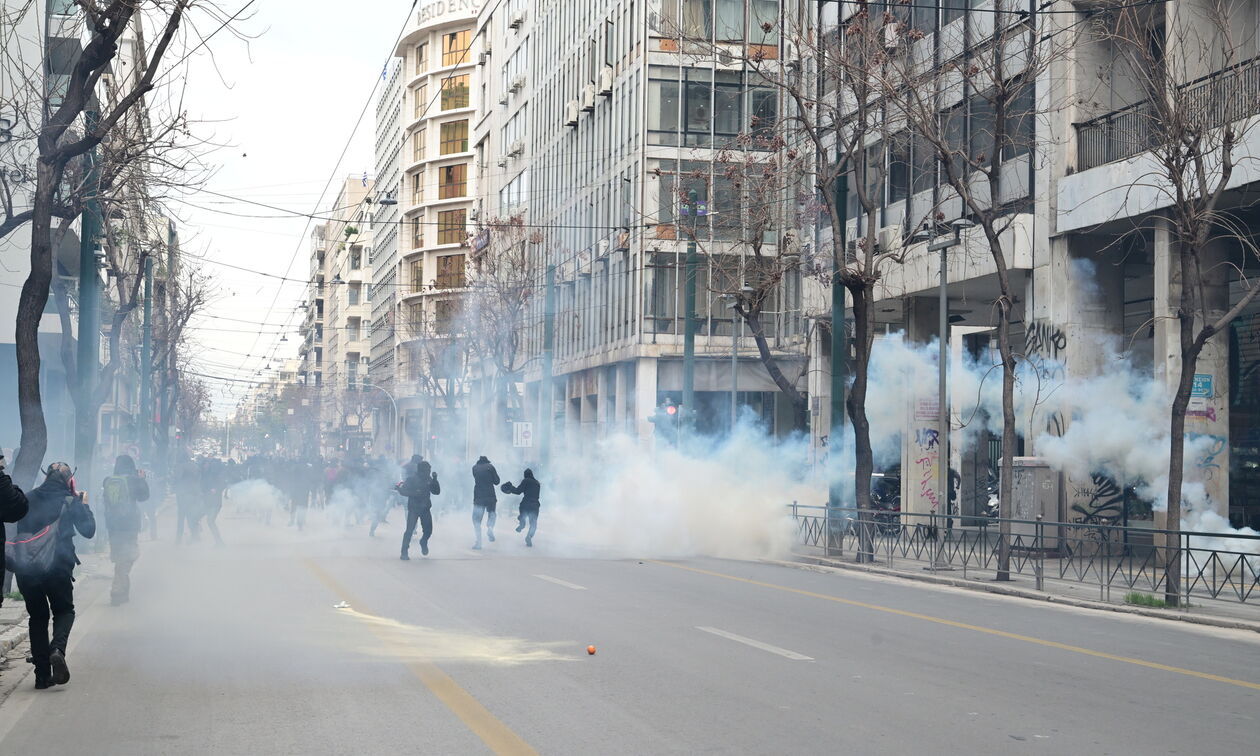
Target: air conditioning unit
474, 214
588, 97
518, 147
518, 83
517, 20
606, 81
503, 99
502, 162
482, 57
601, 249
889, 238
571, 113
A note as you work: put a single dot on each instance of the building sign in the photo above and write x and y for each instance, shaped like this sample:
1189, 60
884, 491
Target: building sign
434, 11
927, 409
522, 435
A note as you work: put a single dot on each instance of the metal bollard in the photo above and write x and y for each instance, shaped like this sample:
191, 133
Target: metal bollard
1041, 555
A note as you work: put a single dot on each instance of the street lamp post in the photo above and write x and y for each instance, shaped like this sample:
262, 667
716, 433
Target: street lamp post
942, 245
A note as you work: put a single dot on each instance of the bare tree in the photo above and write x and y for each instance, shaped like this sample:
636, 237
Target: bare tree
974, 115
89, 108
1195, 128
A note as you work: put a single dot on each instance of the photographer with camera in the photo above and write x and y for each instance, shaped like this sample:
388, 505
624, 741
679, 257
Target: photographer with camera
42, 556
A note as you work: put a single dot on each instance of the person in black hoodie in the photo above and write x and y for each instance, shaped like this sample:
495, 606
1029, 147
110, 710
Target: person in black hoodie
52, 594
13, 507
485, 478
528, 488
122, 494
420, 485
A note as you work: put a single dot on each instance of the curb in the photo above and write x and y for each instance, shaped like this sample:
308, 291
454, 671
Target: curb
1004, 590
12, 638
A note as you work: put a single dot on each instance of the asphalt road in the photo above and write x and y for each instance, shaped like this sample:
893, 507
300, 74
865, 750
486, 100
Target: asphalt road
242, 650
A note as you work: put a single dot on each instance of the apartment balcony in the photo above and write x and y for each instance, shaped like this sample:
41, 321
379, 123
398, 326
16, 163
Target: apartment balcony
1119, 178
1228, 95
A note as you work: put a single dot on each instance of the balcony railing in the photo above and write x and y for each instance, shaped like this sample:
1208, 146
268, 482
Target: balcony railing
1223, 97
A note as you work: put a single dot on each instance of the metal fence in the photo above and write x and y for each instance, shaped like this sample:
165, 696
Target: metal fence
1225, 96
1112, 557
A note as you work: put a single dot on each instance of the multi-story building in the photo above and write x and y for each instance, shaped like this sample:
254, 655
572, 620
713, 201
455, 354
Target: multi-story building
439, 75
600, 117
345, 408
311, 349
386, 263
1087, 208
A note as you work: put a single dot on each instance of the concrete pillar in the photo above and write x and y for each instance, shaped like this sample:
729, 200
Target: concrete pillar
1208, 415
572, 409
621, 385
644, 396
920, 455
604, 399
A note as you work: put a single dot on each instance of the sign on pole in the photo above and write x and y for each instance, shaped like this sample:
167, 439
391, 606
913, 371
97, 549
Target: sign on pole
522, 435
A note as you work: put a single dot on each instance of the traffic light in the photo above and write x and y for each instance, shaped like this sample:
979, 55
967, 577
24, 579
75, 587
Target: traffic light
668, 420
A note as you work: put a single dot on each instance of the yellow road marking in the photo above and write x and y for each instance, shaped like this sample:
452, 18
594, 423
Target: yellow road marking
496, 735
974, 628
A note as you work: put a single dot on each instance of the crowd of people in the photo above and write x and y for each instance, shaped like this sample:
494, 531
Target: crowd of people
40, 548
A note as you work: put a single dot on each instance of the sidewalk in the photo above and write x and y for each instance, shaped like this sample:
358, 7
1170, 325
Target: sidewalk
13, 628
1216, 613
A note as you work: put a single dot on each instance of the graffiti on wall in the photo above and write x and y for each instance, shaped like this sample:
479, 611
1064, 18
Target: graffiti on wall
1045, 348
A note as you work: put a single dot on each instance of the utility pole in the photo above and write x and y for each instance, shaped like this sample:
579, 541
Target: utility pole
694, 210
546, 404
146, 364
88, 358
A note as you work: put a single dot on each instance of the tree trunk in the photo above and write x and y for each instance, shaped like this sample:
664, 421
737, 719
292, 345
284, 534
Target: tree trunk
800, 407
31, 304
864, 456
1006, 483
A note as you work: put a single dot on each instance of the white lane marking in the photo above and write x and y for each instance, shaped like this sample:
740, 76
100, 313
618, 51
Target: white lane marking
558, 581
755, 644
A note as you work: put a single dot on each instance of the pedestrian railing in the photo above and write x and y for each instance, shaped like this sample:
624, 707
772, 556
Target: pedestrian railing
1213, 566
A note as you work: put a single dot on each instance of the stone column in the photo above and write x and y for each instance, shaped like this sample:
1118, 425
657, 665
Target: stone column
920, 441
644, 397
621, 385
1207, 419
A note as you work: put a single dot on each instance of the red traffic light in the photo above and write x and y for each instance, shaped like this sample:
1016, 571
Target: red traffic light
671, 410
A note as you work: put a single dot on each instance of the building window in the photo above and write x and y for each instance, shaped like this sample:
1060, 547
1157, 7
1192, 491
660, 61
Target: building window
422, 57
417, 276
354, 291
356, 257
445, 315
417, 188
952, 10
415, 318
451, 227
417, 144
453, 181
454, 137
420, 100
455, 47
455, 92
417, 233
450, 272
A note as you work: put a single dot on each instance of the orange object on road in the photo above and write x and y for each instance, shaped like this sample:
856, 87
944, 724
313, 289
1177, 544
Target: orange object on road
590, 650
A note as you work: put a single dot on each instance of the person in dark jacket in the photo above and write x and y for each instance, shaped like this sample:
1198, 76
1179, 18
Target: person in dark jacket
421, 484
188, 501
121, 496
213, 483
485, 478
13, 507
52, 594
528, 488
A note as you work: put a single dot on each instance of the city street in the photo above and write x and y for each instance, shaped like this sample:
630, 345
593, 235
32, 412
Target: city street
242, 650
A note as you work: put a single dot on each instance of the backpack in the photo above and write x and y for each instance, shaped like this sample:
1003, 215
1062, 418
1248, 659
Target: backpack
121, 512
34, 554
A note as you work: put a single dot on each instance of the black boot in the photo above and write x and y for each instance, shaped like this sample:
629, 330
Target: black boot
60, 671
404, 557
43, 678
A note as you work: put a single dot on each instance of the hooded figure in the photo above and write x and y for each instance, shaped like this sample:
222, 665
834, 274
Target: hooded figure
420, 485
528, 488
13, 507
122, 494
52, 593
485, 478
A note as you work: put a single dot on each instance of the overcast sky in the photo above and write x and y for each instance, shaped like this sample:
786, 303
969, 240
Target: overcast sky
286, 102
